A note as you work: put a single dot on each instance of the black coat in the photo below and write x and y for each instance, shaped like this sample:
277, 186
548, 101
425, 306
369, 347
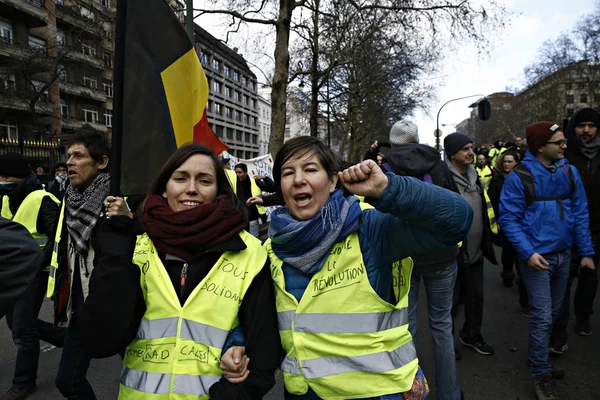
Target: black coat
590, 175
20, 257
115, 305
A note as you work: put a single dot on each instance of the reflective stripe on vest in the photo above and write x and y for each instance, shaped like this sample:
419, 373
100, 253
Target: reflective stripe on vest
177, 348
329, 335
485, 176
490, 213
155, 383
54, 259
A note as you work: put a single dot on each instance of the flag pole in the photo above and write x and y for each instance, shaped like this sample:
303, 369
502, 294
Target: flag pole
117, 130
189, 25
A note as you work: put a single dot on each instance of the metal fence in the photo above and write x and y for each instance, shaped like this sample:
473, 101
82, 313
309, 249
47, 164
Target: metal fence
42, 155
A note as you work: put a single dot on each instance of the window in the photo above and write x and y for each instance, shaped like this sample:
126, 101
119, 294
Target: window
62, 74
90, 82
227, 71
236, 96
90, 114
254, 121
8, 82
219, 131
244, 80
9, 129
88, 50
37, 44
247, 137
61, 2
568, 86
246, 100
254, 139
108, 59
216, 64
251, 84
570, 99
38, 87
5, 31
108, 33
108, 88
228, 91
203, 57
218, 109
570, 112
60, 38
106, 3
236, 76
86, 13
581, 85
238, 116
64, 109
108, 118
248, 154
596, 98
247, 119
216, 86
230, 133
254, 103
228, 112
583, 98
238, 136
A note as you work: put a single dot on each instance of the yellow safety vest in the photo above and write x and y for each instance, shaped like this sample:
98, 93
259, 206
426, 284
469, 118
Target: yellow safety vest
27, 214
485, 176
490, 213
54, 259
232, 177
177, 350
342, 340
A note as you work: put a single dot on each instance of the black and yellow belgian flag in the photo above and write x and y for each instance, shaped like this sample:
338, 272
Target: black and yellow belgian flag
161, 94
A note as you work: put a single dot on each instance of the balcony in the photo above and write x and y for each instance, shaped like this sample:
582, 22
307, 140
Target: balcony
83, 91
19, 100
31, 11
74, 124
78, 56
72, 16
98, 7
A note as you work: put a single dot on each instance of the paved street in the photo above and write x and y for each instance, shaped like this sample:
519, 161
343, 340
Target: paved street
500, 377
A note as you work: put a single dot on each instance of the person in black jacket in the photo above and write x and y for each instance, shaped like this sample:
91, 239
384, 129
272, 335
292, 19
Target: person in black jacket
509, 160
24, 200
20, 257
583, 152
194, 222
58, 186
437, 269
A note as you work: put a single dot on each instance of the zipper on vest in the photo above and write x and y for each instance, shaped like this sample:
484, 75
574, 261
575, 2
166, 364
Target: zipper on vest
183, 276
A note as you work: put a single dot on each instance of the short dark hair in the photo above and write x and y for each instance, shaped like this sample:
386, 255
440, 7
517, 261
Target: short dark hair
507, 153
95, 142
299, 146
241, 166
159, 186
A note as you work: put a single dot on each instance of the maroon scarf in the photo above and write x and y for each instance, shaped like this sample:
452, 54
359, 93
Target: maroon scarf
188, 233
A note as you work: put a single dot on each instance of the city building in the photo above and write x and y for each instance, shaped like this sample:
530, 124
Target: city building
232, 108
264, 125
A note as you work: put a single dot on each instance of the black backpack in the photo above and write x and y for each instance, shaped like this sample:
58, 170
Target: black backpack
529, 186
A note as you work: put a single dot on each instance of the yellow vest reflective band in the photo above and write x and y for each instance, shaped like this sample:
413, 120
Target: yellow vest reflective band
485, 176
490, 213
54, 259
177, 350
232, 177
342, 340
27, 214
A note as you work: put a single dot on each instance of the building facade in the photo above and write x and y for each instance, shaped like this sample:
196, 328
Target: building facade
232, 108
264, 125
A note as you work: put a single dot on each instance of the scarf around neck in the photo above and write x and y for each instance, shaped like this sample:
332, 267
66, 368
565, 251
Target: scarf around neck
83, 211
305, 245
466, 183
189, 233
591, 149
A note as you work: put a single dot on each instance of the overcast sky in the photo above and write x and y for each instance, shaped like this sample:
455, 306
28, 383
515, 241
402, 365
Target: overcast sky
466, 73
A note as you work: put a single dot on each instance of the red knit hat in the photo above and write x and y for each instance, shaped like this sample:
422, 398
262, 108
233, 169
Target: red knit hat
539, 133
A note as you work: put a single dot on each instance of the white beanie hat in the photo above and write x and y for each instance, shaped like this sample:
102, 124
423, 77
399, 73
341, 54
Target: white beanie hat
404, 132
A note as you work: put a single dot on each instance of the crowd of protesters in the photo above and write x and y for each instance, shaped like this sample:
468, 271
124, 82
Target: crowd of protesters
179, 285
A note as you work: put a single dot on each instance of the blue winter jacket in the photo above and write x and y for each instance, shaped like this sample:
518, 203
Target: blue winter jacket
540, 228
411, 218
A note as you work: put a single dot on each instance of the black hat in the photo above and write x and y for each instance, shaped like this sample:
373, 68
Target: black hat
586, 115
454, 142
14, 165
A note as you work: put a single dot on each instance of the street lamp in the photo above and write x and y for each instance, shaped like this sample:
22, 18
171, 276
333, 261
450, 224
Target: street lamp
484, 112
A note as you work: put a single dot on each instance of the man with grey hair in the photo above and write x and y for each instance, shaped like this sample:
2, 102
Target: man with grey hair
437, 270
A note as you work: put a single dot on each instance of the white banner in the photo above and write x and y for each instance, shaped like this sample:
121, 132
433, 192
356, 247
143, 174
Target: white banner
262, 165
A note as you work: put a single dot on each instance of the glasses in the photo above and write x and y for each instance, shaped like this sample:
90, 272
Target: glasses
559, 143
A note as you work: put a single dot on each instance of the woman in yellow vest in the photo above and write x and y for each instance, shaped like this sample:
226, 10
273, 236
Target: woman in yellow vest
172, 297
341, 305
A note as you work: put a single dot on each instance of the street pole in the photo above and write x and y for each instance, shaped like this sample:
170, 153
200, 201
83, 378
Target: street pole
437, 139
189, 24
328, 119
